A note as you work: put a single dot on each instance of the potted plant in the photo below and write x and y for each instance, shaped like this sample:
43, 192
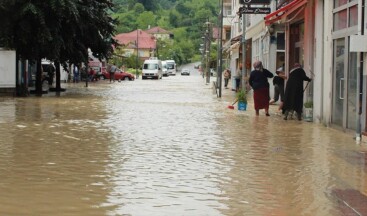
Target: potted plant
242, 100
308, 111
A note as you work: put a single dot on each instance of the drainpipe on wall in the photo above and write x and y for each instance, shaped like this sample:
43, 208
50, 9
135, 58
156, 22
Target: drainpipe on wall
360, 67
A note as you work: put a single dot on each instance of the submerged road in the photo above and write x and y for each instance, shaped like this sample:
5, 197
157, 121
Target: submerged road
170, 147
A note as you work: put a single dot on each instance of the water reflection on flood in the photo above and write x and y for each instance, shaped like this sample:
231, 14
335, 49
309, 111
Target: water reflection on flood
166, 147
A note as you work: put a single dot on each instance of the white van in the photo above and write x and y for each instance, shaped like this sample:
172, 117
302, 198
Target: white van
164, 68
152, 68
171, 67
49, 69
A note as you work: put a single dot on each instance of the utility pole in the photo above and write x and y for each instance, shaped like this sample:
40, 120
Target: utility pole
244, 71
202, 50
220, 50
137, 54
208, 40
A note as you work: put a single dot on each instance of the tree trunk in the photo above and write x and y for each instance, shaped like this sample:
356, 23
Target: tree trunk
39, 78
58, 68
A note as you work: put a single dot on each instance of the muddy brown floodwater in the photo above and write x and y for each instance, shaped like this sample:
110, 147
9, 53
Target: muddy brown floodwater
168, 147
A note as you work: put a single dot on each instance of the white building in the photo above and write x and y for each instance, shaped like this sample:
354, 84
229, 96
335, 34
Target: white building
328, 38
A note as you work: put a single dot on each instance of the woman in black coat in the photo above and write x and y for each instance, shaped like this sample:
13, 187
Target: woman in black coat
293, 96
259, 83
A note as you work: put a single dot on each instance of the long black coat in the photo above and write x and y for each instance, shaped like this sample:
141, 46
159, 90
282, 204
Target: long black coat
293, 97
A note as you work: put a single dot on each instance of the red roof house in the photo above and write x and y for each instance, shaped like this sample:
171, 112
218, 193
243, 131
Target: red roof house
146, 43
159, 32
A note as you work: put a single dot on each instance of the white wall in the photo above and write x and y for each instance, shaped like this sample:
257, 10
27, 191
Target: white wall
318, 58
7, 68
328, 62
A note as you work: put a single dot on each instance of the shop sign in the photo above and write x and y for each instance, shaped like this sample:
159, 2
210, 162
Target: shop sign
255, 10
254, 1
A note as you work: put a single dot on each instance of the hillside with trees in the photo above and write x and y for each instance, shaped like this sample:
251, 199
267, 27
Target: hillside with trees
184, 18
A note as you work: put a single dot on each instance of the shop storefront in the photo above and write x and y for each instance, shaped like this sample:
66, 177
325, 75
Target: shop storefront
344, 69
294, 25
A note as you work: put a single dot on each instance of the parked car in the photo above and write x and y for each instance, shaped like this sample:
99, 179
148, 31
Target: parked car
185, 72
119, 75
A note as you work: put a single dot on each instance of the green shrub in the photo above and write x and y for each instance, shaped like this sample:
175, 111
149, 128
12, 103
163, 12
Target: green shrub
242, 96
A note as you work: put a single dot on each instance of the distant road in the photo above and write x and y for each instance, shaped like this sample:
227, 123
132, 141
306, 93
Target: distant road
191, 67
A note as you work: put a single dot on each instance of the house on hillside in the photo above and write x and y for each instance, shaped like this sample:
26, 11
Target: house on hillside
160, 33
137, 42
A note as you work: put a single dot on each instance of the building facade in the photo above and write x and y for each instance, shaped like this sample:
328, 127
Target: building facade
328, 38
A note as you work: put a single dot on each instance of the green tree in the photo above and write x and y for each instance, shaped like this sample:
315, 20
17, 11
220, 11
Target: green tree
146, 19
61, 31
183, 8
173, 18
126, 22
138, 8
150, 5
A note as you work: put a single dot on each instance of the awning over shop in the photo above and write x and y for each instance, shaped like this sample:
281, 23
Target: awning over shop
236, 39
232, 44
235, 45
284, 11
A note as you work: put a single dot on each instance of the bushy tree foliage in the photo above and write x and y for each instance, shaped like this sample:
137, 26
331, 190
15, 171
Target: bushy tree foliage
146, 19
185, 18
57, 30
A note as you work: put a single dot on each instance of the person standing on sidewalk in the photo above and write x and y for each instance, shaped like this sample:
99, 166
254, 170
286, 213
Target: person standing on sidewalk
112, 73
293, 96
278, 82
259, 83
227, 76
238, 78
76, 74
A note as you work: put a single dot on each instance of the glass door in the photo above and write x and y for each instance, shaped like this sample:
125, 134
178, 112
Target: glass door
345, 86
339, 83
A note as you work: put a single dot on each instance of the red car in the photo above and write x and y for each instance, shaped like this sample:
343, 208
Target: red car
119, 75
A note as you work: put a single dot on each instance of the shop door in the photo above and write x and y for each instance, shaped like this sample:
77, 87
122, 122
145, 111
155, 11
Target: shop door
345, 86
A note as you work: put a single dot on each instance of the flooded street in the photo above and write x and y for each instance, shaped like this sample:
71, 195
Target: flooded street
169, 147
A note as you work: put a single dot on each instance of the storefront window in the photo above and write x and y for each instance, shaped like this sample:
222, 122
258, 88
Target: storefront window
353, 16
340, 20
280, 41
228, 34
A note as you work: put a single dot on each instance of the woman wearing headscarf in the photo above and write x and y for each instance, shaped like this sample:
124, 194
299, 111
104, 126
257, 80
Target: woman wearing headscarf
293, 96
259, 83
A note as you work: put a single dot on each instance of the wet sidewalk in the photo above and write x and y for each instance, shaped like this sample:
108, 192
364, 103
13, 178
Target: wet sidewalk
348, 190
